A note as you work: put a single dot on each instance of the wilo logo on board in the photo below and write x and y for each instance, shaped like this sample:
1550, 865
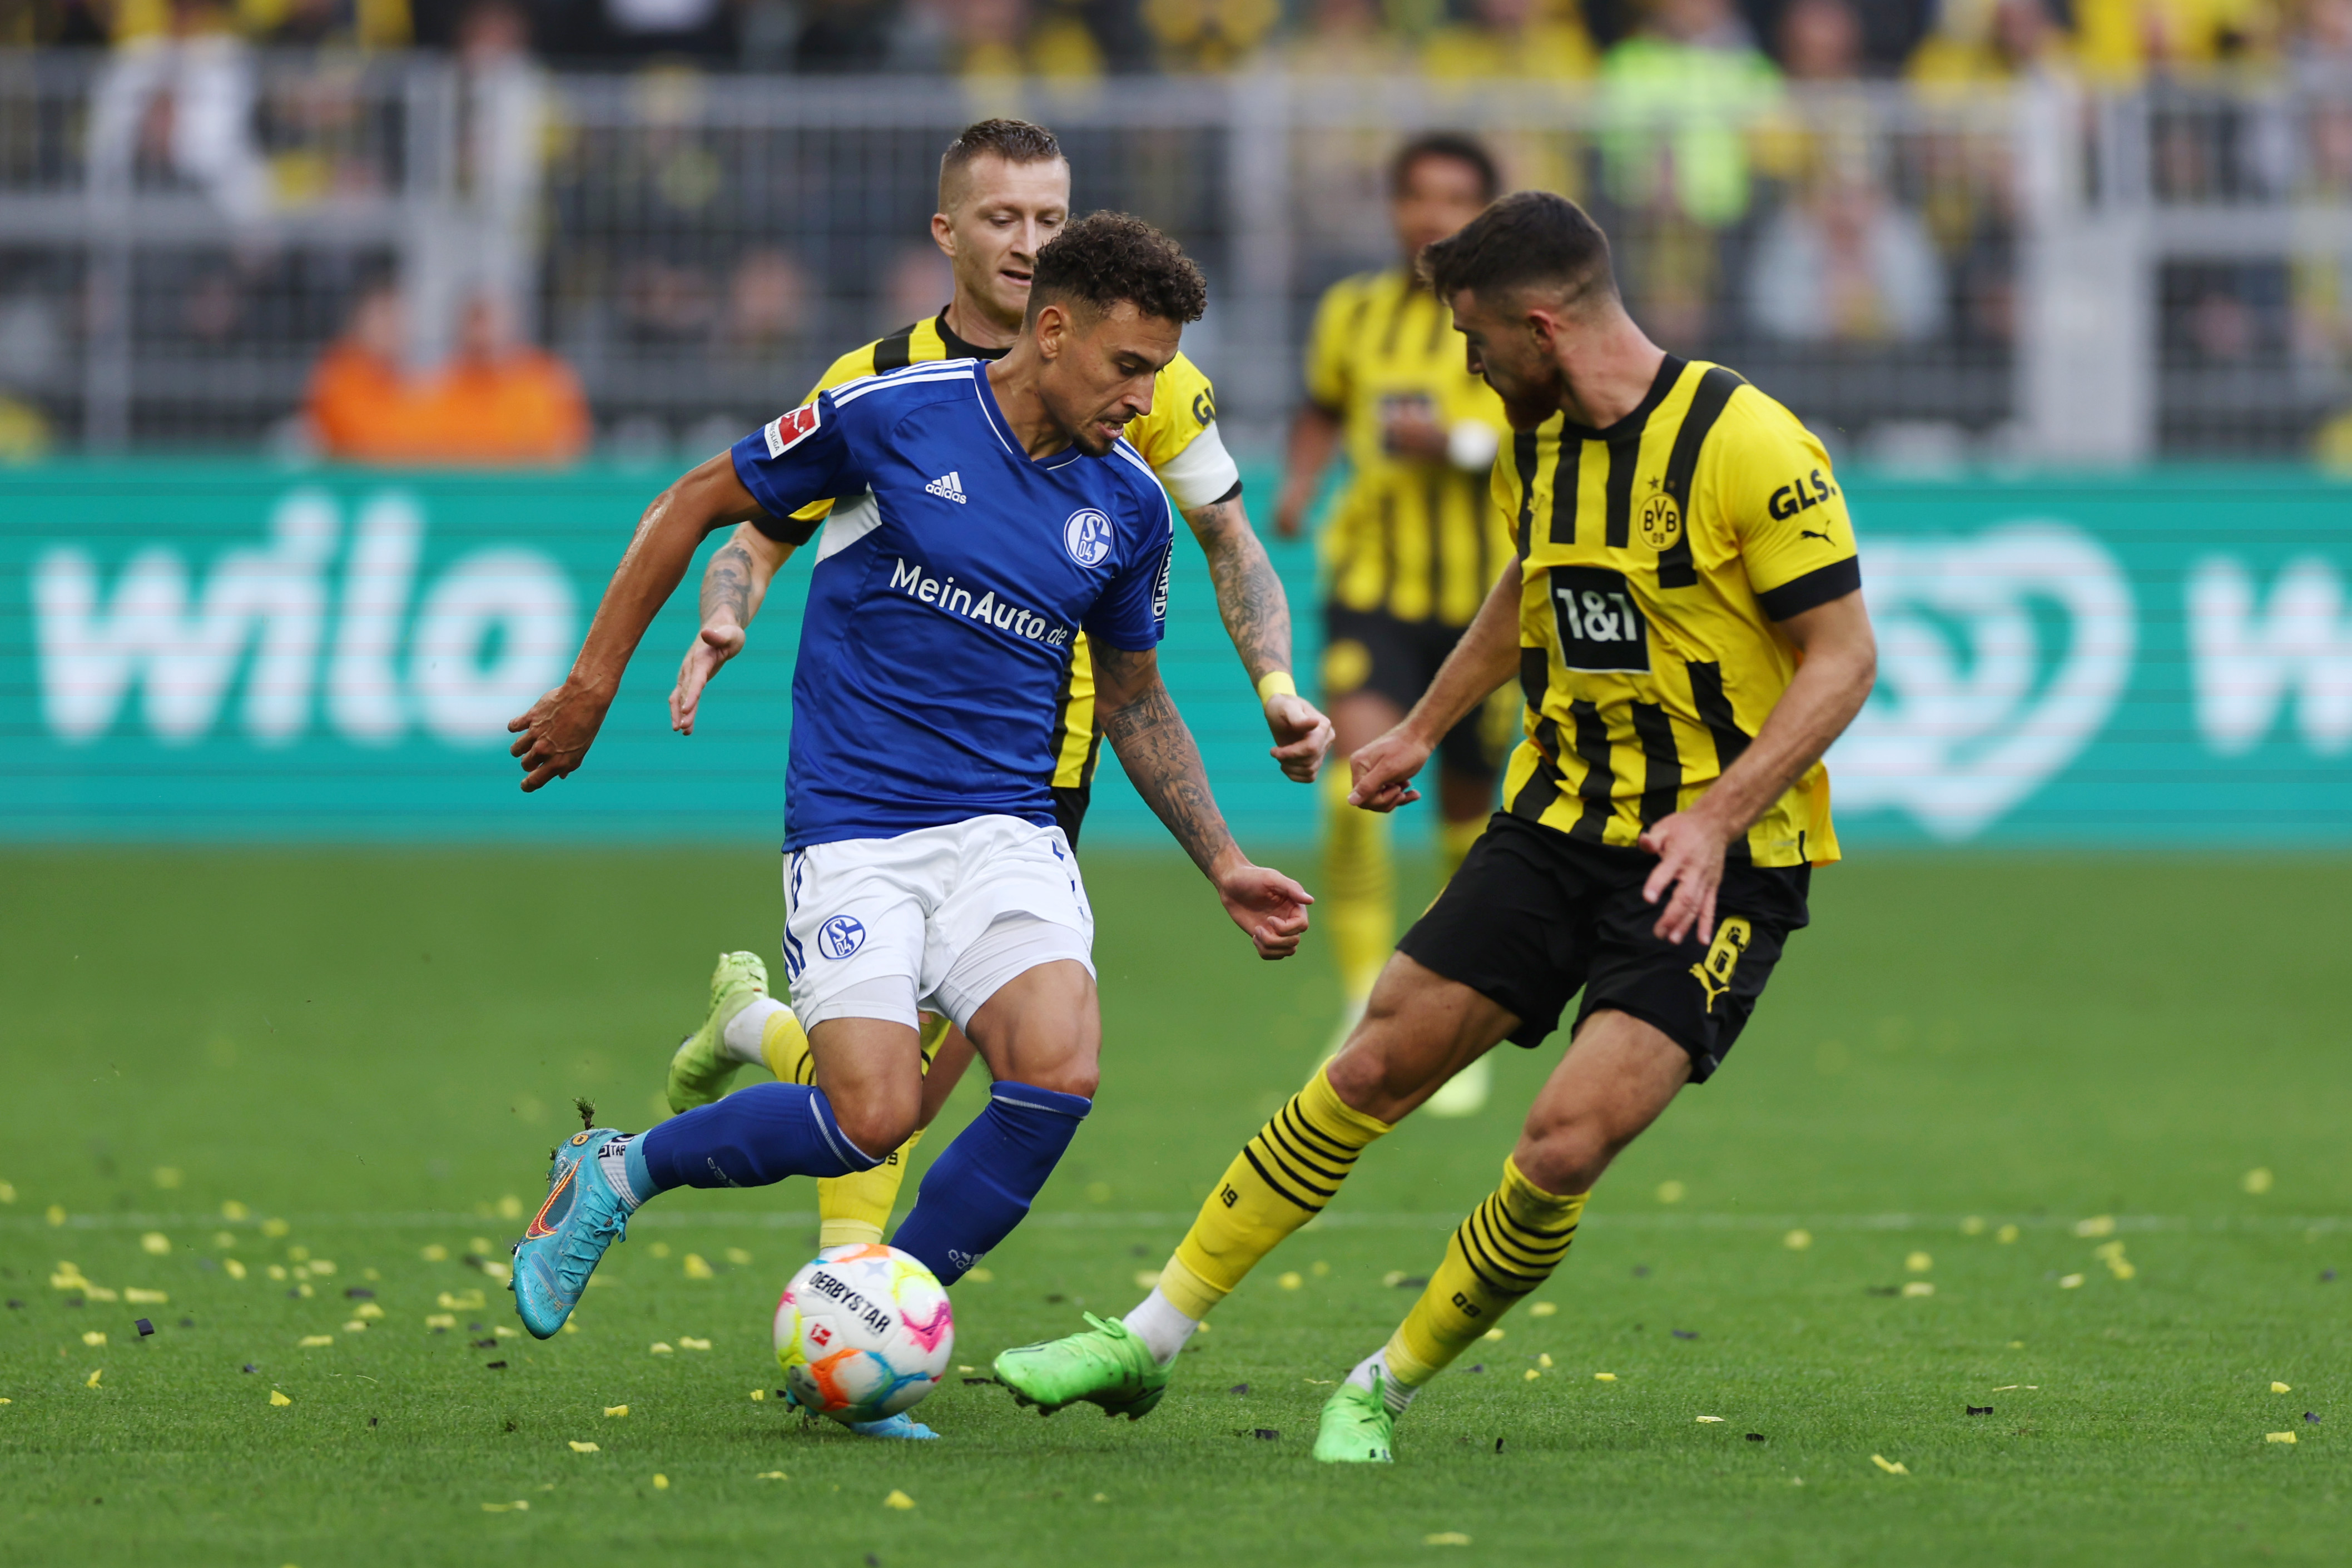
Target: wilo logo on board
1974, 708
488, 635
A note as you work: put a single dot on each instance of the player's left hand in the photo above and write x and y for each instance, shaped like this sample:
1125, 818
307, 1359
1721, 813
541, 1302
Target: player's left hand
1302, 736
1689, 846
553, 738
1266, 904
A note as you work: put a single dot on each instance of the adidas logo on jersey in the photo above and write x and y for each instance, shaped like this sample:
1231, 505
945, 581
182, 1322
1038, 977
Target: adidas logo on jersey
948, 486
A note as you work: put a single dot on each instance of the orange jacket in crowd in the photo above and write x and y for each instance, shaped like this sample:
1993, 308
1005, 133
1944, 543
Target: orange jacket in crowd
525, 406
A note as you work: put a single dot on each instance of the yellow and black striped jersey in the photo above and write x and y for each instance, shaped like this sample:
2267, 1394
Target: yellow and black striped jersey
1657, 557
1179, 439
1408, 537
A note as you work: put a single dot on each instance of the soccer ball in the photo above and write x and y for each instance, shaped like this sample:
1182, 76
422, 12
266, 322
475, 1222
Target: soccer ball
864, 1331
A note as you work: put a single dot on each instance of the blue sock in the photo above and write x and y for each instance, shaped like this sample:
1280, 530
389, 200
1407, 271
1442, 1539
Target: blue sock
981, 1186
753, 1137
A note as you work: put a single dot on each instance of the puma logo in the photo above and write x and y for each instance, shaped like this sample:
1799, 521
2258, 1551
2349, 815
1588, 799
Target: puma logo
1814, 533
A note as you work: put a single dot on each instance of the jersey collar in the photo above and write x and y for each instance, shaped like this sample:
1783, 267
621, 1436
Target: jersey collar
1003, 428
1668, 374
958, 349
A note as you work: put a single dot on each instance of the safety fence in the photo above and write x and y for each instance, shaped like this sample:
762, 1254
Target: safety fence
2016, 273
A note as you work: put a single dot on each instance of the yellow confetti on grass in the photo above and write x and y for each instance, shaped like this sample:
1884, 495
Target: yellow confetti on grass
2072, 1282
1891, 1466
660, 1348
232, 1211
232, 1267
155, 1243
1445, 1538
758, 1395
2280, 1388
739, 1257
1491, 1334
519, 1505
1544, 1361
688, 1342
434, 1252
1972, 1225
369, 1310
94, 1338
2278, 1437
1672, 1191
2098, 1224
2257, 1180
1798, 1241
1543, 1309
661, 1482
1292, 1281
2006, 1234
56, 1214
897, 1499
440, 1320
275, 1229
1147, 1279
1530, 1375
7, 1192
139, 1298
771, 1476
91, 1382
697, 1268
1919, 1262
580, 1447
356, 1326
279, 1401
1710, 1421
1919, 1288
67, 1277
459, 1300
983, 1277
614, 1412
312, 1341
1605, 1377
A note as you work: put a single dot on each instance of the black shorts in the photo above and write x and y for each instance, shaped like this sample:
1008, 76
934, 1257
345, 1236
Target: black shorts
1366, 650
1070, 808
1534, 915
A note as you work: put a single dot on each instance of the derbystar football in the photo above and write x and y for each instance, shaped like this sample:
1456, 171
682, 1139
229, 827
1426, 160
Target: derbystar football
864, 1331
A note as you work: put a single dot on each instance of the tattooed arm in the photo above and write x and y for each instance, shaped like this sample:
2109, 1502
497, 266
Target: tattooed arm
1257, 617
733, 586
1155, 748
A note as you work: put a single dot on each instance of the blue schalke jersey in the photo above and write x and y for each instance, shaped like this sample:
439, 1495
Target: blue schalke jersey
949, 583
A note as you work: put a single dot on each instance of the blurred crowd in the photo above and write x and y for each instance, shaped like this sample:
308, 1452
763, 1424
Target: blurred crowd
1937, 43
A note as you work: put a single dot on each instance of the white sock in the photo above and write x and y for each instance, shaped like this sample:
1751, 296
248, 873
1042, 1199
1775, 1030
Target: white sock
1162, 1329
743, 1030
1395, 1394
613, 1159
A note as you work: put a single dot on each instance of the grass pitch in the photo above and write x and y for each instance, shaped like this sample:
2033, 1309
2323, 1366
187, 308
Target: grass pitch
285, 1061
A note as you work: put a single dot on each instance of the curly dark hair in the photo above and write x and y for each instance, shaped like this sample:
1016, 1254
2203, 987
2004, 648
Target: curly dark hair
1105, 257
1531, 237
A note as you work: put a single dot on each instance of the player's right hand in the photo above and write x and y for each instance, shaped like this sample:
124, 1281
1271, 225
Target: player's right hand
1384, 770
553, 738
719, 641
1266, 904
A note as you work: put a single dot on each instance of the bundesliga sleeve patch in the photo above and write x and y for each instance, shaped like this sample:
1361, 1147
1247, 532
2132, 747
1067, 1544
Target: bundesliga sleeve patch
791, 429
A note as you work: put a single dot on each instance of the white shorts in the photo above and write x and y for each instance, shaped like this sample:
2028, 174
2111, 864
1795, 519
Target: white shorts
941, 918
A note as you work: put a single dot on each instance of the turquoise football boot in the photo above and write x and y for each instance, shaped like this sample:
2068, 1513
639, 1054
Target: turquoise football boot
902, 1426
565, 1240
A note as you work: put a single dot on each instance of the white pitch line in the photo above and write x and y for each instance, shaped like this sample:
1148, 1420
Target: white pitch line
1111, 1219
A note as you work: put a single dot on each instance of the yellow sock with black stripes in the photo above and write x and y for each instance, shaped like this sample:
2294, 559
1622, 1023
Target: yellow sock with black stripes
1454, 841
851, 1210
1507, 1248
855, 1209
1280, 1180
1357, 908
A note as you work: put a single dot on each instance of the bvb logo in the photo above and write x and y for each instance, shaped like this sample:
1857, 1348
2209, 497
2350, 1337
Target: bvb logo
1662, 522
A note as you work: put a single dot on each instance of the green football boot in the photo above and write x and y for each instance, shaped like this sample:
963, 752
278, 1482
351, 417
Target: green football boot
700, 1067
1355, 1427
1105, 1364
